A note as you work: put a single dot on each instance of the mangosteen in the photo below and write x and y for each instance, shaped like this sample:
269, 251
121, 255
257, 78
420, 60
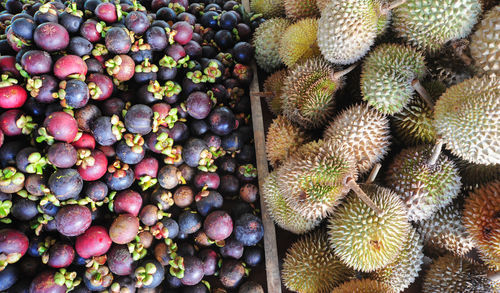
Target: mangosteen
189, 222
248, 229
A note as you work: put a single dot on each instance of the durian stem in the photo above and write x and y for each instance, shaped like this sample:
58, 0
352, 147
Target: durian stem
436, 151
396, 3
494, 276
337, 75
386, 7
459, 47
423, 93
262, 94
351, 183
373, 173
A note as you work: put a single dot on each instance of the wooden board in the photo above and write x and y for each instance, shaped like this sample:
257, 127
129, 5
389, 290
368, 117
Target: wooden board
270, 247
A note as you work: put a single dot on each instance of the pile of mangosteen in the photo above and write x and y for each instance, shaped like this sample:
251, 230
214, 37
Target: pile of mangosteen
126, 154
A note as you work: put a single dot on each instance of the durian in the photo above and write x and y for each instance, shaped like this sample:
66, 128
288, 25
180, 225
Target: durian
467, 119
280, 211
476, 175
265, 44
282, 139
308, 92
445, 231
429, 24
312, 181
321, 4
451, 65
403, 271
452, 274
268, 8
295, 9
311, 267
365, 132
424, 179
485, 43
363, 286
273, 87
347, 29
388, 72
299, 41
413, 125
363, 240
482, 221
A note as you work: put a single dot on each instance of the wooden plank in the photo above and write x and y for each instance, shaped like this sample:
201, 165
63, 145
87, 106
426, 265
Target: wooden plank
270, 247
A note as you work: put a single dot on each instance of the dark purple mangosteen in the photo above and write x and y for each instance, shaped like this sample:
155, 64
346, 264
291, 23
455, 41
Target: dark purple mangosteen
9, 277
207, 201
118, 40
149, 274
253, 256
156, 37
73, 220
24, 209
80, 46
232, 249
193, 271
198, 105
61, 255
139, 119
137, 22
36, 62
120, 261
209, 259
229, 186
231, 273
248, 229
51, 37
194, 151
65, 184
189, 222
222, 121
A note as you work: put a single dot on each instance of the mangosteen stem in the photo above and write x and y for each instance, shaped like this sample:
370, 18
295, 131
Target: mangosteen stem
373, 173
436, 151
351, 183
423, 93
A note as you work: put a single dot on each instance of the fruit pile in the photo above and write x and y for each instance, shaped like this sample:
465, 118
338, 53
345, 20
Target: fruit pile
408, 89
126, 153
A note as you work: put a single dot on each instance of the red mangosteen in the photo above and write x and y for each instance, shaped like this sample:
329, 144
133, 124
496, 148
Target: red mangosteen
92, 164
71, 66
94, 242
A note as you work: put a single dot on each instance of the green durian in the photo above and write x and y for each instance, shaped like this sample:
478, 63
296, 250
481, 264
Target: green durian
265, 44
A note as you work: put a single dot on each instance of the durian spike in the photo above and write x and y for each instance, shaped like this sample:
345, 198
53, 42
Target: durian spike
436, 151
262, 94
337, 75
373, 173
423, 93
351, 183
459, 46
388, 6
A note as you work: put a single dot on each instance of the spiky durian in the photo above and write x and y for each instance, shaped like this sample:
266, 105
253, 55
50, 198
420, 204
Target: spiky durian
273, 86
388, 72
445, 231
296, 9
365, 132
423, 185
363, 240
308, 93
313, 180
268, 8
363, 286
282, 138
299, 41
413, 125
280, 212
429, 24
452, 274
466, 117
476, 175
448, 65
265, 44
403, 271
311, 267
485, 43
347, 29
482, 221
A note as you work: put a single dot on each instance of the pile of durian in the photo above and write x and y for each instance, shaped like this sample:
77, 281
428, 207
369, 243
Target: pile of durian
402, 181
